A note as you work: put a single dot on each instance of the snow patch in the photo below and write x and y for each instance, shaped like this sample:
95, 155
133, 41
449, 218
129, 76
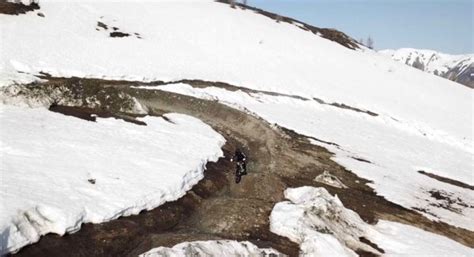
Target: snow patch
213, 248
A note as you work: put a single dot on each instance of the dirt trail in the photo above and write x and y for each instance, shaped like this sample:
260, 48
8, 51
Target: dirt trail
217, 208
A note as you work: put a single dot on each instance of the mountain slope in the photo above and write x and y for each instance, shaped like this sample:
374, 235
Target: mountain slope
382, 120
173, 46
458, 68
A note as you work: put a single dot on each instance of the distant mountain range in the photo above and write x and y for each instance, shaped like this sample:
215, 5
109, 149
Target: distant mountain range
458, 68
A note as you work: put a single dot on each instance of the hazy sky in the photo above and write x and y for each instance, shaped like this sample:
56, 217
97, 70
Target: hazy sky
443, 25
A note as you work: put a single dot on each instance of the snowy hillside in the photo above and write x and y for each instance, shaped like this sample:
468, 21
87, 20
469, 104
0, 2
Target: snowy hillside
407, 133
81, 48
457, 68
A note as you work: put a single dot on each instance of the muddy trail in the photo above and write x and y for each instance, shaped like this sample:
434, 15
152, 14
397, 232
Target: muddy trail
217, 208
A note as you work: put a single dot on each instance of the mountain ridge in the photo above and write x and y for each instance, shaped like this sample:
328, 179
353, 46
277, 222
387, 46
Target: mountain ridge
457, 68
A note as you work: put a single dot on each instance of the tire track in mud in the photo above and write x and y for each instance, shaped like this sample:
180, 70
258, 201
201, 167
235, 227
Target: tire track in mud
217, 208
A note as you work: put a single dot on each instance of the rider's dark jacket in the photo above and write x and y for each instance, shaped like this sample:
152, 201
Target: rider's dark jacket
239, 157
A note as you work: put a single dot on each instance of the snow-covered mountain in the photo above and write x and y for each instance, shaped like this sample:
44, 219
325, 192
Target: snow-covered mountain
161, 86
459, 68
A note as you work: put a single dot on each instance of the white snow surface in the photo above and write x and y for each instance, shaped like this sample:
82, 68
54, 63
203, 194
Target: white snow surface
395, 149
310, 218
25, 2
403, 240
324, 227
432, 61
47, 159
213, 248
203, 39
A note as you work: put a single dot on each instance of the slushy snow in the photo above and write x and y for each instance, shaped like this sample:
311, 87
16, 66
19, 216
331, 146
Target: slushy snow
58, 171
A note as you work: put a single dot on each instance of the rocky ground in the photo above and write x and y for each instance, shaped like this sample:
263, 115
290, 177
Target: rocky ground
216, 208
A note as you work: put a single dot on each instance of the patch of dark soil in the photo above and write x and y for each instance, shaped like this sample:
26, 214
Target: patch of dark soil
44, 75
448, 201
363, 253
331, 34
425, 211
293, 133
88, 93
361, 159
102, 25
373, 245
90, 114
114, 31
118, 34
16, 8
203, 84
345, 106
447, 180
439, 195
324, 142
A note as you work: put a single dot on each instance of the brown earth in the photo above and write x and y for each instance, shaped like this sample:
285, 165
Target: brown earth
16, 8
217, 208
447, 180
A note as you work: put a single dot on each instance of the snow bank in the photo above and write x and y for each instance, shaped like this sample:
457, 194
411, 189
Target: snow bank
394, 150
318, 222
58, 172
324, 227
213, 248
